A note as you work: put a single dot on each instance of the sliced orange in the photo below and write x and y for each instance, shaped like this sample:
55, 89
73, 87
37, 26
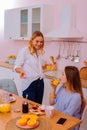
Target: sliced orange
32, 116
31, 122
26, 116
22, 122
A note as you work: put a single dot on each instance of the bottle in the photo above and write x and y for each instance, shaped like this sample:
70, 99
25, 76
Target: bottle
25, 107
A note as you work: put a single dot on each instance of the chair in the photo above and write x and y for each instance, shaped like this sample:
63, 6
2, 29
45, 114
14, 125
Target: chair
8, 85
83, 125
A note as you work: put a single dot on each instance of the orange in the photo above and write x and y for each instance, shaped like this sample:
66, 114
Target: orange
31, 122
33, 117
26, 116
55, 82
22, 122
48, 67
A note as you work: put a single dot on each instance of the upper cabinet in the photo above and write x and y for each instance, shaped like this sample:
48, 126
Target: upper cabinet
20, 23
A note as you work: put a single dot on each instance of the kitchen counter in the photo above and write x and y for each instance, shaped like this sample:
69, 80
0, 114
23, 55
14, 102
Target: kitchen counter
52, 74
48, 74
6, 65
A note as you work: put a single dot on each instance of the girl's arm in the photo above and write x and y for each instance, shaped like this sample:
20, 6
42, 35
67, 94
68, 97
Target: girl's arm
74, 105
52, 95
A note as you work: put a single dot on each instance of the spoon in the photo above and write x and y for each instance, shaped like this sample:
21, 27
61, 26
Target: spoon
58, 56
77, 58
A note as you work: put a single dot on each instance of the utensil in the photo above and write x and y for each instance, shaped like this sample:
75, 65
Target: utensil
58, 56
72, 54
67, 51
77, 58
52, 59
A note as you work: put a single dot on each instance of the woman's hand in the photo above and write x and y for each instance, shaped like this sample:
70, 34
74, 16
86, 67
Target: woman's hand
21, 72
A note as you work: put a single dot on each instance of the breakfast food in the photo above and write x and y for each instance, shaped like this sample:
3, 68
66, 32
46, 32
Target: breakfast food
85, 62
55, 82
28, 121
12, 56
37, 110
35, 107
25, 117
48, 67
83, 73
33, 117
22, 122
32, 122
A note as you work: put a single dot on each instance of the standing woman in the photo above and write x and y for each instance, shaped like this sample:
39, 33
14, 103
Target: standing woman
69, 98
29, 66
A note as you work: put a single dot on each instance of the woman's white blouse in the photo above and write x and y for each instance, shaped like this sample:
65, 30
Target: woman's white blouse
31, 64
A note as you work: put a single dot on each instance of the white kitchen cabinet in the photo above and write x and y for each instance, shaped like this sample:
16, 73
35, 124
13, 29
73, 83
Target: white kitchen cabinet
6, 73
20, 23
11, 24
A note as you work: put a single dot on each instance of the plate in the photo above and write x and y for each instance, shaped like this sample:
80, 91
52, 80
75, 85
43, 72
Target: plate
12, 99
26, 126
37, 112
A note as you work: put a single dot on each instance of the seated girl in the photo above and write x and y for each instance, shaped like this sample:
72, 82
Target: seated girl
69, 97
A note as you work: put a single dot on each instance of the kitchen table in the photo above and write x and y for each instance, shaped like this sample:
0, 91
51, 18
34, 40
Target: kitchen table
5, 118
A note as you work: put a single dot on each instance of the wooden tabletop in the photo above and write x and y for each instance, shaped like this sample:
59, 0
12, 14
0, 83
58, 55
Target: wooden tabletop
6, 117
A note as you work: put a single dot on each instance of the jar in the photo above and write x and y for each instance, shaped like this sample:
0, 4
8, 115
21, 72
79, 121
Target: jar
25, 108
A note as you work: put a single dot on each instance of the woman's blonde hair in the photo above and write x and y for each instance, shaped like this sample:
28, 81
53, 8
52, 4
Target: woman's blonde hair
30, 45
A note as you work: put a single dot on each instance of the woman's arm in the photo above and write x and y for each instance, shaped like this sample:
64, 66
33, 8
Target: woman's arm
18, 66
52, 96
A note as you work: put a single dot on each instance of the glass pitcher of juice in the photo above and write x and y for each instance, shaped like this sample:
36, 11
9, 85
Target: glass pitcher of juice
5, 105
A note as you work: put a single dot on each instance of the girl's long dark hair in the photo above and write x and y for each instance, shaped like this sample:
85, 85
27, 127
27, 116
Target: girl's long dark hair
74, 81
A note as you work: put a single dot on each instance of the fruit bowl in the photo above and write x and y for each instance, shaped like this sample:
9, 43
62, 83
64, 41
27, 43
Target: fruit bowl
11, 61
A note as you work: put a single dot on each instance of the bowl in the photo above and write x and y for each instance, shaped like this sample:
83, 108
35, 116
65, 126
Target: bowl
5, 107
11, 61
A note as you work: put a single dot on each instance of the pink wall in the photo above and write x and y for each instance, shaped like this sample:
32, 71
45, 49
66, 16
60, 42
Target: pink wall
12, 47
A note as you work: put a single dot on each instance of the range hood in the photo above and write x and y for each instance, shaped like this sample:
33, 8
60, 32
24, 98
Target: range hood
68, 28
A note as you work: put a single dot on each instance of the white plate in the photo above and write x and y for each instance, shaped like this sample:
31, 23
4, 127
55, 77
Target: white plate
12, 99
37, 112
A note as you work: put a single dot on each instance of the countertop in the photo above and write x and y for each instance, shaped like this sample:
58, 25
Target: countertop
6, 65
48, 74
52, 74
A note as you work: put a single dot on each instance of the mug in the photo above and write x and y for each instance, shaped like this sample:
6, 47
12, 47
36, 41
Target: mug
49, 111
